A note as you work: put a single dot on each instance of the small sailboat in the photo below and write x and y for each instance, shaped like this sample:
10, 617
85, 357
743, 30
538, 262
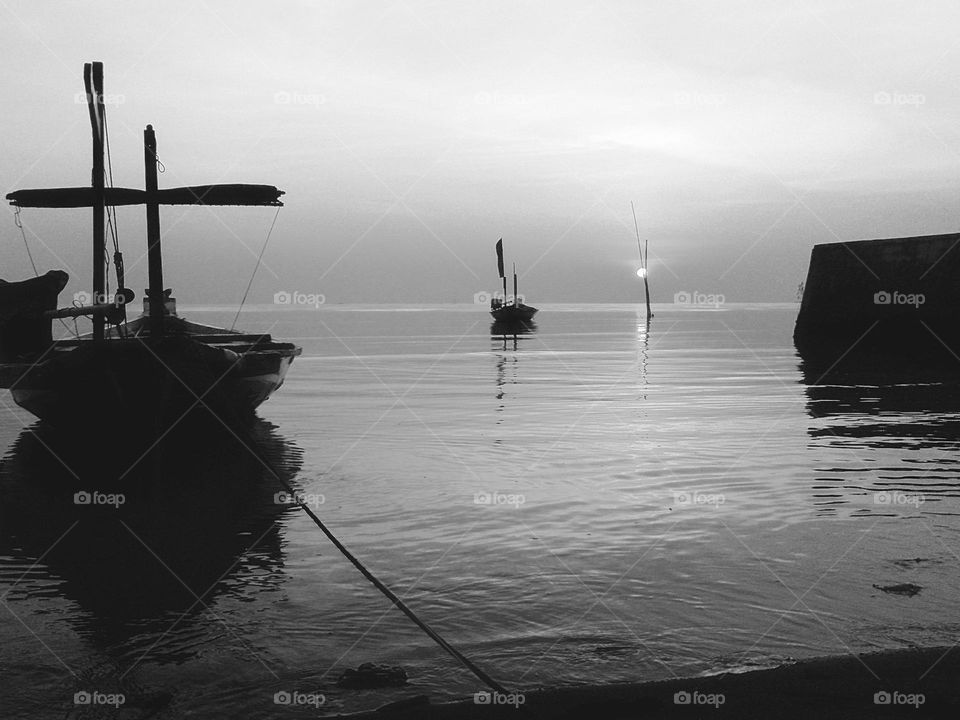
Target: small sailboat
509, 311
149, 373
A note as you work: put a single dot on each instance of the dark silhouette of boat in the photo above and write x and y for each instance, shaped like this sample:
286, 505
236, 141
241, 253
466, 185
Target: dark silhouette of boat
149, 373
508, 311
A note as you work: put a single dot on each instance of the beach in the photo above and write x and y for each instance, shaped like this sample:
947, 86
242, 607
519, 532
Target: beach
904, 683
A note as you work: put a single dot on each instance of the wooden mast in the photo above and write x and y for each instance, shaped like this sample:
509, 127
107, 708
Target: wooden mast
154, 255
97, 197
93, 82
503, 275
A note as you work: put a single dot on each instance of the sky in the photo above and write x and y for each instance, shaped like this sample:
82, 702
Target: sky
409, 136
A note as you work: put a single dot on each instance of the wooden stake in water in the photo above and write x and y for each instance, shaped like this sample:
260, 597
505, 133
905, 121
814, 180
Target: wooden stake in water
643, 261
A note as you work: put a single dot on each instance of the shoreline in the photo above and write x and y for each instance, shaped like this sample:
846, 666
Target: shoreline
919, 683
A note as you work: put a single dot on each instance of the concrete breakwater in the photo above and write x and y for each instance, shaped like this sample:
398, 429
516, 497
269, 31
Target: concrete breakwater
884, 292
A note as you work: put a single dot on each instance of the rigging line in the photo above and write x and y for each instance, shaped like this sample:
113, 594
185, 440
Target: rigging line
19, 224
75, 331
112, 224
643, 261
255, 267
111, 209
114, 229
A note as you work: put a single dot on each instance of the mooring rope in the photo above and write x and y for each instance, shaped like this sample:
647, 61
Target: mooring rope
402, 606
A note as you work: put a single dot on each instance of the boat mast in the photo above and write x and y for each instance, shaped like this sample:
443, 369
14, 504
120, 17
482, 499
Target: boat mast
503, 275
515, 301
93, 82
154, 256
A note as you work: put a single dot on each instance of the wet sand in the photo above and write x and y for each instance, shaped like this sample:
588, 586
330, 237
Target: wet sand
918, 684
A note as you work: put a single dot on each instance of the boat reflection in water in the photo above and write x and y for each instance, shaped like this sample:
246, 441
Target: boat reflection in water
137, 548
510, 332
884, 425
505, 337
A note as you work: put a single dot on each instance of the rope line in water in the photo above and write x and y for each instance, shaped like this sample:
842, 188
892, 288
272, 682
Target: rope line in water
402, 606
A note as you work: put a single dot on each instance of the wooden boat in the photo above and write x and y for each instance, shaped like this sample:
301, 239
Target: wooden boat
505, 310
155, 370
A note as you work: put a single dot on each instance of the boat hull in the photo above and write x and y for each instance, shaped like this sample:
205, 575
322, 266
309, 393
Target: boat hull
136, 386
513, 314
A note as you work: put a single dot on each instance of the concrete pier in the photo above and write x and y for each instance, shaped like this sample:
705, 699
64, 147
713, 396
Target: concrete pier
882, 293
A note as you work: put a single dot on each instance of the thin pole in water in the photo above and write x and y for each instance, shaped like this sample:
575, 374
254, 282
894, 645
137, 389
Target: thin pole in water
643, 260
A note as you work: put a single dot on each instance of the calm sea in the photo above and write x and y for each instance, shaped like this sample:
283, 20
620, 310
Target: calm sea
595, 501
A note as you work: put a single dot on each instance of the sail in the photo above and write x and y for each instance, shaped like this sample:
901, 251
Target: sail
500, 256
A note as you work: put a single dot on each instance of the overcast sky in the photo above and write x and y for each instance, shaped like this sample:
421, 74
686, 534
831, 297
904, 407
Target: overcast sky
409, 136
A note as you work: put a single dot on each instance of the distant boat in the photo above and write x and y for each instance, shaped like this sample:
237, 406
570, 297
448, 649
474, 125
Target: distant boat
509, 311
145, 375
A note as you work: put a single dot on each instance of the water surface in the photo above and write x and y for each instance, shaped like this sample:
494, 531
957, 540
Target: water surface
664, 501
